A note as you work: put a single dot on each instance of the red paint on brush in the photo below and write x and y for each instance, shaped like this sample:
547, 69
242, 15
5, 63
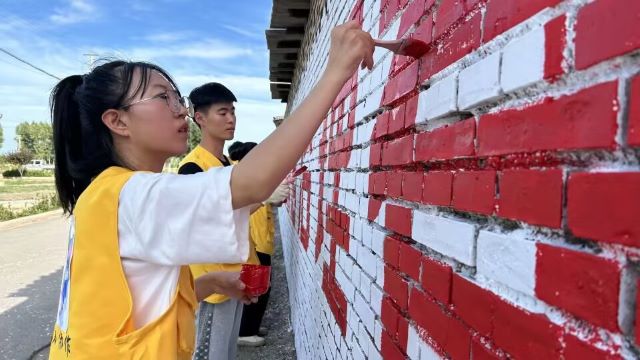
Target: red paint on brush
414, 48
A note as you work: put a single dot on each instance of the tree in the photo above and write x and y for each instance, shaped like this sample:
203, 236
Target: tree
19, 158
37, 138
194, 135
1, 136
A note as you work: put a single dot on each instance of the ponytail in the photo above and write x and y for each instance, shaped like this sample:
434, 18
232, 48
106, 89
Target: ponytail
67, 134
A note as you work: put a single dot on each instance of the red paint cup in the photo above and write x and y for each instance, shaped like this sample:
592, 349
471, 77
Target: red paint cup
255, 278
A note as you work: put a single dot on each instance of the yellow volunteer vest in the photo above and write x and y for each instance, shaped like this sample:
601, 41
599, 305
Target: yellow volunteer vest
205, 160
262, 230
94, 319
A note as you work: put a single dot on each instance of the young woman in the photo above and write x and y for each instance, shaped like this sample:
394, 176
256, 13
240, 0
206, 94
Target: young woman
126, 291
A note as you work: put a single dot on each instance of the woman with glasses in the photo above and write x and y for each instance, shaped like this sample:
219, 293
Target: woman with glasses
114, 128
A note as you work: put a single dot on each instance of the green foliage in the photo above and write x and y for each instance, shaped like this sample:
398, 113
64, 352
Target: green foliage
195, 135
44, 204
31, 173
20, 159
1, 136
36, 137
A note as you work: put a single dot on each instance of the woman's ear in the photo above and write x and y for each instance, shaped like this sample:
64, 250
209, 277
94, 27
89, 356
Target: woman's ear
115, 122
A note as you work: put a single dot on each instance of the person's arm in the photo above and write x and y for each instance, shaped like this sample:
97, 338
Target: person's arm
262, 170
253, 208
221, 282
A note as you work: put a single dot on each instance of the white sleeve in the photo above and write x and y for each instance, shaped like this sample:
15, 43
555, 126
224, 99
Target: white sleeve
171, 219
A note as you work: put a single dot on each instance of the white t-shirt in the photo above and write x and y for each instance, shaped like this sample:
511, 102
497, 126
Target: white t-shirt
167, 220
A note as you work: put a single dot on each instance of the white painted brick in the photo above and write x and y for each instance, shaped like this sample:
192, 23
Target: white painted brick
367, 235
509, 260
427, 352
413, 344
365, 286
479, 82
377, 241
364, 208
380, 272
523, 61
377, 339
366, 315
346, 285
447, 236
439, 100
368, 261
376, 299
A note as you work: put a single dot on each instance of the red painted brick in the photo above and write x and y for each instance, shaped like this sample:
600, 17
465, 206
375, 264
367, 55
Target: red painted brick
382, 125
447, 142
502, 15
436, 279
462, 41
403, 333
390, 350
449, 12
412, 186
438, 186
401, 85
410, 111
373, 209
394, 184
634, 113
398, 151
531, 195
555, 41
480, 352
377, 183
474, 191
577, 349
424, 29
410, 261
375, 154
396, 287
396, 119
448, 333
585, 285
606, 29
411, 15
389, 316
475, 305
525, 335
605, 207
398, 219
585, 120
392, 251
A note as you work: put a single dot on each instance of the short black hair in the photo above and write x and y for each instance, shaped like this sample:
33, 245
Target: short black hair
209, 94
239, 150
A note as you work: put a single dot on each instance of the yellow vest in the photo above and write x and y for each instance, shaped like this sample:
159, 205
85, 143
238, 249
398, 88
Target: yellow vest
205, 160
94, 319
262, 229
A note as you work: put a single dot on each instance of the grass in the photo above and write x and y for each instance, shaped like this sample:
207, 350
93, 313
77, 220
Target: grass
39, 190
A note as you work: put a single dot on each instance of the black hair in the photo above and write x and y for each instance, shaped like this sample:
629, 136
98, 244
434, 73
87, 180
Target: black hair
238, 150
209, 94
83, 145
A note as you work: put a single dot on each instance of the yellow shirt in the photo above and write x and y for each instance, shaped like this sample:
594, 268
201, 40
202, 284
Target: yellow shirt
262, 229
94, 319
205, 160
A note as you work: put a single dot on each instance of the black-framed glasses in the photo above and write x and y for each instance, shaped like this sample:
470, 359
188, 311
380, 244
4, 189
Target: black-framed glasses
174, 101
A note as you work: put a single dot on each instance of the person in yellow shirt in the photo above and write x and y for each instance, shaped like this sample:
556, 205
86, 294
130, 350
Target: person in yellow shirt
126, 290
262, 230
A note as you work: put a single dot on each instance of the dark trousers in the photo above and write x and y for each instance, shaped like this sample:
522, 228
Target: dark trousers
252, 314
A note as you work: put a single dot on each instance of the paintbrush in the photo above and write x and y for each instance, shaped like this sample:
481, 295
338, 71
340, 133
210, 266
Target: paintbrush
406, 47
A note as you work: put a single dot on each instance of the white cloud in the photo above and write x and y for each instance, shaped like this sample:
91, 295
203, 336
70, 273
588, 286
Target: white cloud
253, 34
77, 11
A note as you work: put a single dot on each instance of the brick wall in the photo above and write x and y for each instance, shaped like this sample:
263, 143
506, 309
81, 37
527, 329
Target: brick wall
480, 202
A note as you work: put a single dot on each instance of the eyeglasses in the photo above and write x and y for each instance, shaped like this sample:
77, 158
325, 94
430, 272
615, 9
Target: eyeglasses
174, 101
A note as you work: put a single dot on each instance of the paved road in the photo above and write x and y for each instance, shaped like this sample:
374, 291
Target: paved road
31, 260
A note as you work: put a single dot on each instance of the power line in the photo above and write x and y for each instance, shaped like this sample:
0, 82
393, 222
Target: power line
28, 63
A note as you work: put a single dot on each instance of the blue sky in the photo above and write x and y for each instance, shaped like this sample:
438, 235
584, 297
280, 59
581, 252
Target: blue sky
196, 41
